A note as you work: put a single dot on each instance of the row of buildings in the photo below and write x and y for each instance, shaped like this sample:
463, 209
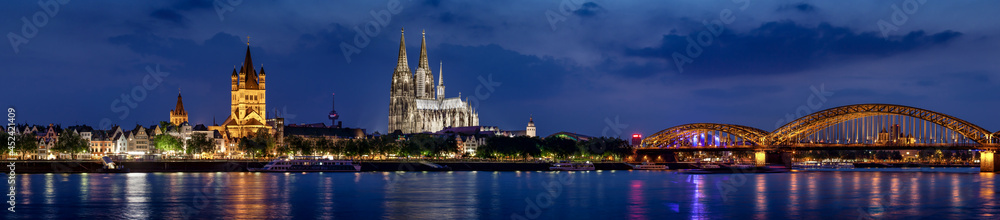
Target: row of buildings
416, 106
137, 141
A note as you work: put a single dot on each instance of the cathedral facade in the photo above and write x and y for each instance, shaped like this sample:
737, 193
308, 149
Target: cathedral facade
247, 111
416, 105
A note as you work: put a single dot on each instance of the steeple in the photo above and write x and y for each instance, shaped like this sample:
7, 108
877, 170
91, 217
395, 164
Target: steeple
423, 52
424, 75
179, 109
251, 75
401, 64
440, 86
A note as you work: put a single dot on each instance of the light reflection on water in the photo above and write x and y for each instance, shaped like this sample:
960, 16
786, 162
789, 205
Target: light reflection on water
955, 193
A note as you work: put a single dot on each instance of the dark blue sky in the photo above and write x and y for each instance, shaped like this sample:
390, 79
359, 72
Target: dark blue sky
591, 67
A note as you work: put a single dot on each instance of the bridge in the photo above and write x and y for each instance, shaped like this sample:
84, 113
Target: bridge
852, 127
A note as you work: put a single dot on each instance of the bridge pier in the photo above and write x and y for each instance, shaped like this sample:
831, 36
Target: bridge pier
760, 158
986, 161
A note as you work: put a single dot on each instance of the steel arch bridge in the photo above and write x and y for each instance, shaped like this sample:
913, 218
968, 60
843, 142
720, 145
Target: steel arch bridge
823, 119
678, 133
812, 123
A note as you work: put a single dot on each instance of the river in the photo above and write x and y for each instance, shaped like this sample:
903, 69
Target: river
933, 193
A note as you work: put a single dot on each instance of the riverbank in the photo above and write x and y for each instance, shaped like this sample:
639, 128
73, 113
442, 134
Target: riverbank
234, 166
243, 166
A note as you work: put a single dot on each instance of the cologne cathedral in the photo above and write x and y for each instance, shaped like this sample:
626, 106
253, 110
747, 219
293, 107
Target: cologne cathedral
414, 107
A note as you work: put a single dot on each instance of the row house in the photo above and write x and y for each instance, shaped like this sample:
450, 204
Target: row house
139, 141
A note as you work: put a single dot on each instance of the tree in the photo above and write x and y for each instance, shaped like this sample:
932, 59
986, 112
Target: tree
323, 146
560, 147
165, 142
70, 142
300, 145
351, 147
199, 143
521, 146
26, 142
256, 144
9, 139
445, 146
421, 144
617, 148
164, 125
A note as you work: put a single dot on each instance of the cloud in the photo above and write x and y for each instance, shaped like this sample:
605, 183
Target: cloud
193, 5
168, 15
800, 7
589, 9
784, 47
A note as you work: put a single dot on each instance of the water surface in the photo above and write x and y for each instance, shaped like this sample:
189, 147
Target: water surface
931, 193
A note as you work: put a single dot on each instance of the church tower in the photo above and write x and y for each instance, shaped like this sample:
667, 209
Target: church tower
425, 78
401, 95
178, 115
248, 100
530, 131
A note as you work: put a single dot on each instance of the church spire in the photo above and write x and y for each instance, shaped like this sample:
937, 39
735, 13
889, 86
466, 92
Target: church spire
251, 75
179, 109
423, 52
440, 86
401, 64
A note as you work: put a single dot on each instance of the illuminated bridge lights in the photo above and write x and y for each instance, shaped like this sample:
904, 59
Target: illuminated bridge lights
860, 126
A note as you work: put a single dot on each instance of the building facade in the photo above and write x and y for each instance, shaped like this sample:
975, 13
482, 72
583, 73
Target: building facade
530, 130
413, 105
139, 141
247, 111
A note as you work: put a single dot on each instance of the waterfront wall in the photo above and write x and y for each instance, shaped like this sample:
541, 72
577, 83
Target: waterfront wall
224, 166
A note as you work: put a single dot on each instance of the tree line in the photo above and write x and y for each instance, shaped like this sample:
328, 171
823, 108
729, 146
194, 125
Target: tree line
425, 145
263, 144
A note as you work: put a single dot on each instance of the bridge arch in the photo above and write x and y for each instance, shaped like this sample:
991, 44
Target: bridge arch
669, 135
823, 119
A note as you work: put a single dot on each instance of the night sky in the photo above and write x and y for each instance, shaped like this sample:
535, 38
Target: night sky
601, 68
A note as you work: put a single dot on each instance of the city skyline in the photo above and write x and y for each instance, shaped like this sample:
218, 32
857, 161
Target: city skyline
621, 79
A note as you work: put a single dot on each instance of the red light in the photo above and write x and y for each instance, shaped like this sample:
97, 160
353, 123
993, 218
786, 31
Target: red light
635, 135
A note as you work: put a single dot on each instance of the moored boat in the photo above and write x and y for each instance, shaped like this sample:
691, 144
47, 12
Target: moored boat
736, 168
111, 167
567, 166
308, 164
648, 166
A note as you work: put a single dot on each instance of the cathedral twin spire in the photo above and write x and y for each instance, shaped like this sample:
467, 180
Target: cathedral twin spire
401, 64
423, 78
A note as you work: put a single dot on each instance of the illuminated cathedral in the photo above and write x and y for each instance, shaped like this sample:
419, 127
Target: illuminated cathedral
414, 106
247, 111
